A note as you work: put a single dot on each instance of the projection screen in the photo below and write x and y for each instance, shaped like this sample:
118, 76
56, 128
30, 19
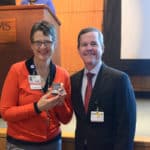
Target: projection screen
135, 29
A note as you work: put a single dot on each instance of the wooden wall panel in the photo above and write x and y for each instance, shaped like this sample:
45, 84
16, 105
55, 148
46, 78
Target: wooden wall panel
74, 15
69, 31
78, 5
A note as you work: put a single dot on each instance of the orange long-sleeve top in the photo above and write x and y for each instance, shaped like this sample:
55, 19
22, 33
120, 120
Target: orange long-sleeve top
17, 106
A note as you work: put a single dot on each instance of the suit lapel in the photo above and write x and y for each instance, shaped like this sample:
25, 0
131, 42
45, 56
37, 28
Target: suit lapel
80, 105
95, 93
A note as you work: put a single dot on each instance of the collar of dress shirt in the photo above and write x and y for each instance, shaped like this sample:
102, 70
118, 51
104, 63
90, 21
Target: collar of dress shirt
95, 70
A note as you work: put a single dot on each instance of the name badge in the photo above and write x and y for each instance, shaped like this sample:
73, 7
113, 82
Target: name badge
35, 82
97, 116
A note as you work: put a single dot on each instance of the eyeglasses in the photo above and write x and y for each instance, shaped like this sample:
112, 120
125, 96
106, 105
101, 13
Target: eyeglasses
39, 43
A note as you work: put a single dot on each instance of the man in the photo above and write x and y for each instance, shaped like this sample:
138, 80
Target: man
107, 121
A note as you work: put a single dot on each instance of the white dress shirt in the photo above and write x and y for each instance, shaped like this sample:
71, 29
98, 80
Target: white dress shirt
84, 80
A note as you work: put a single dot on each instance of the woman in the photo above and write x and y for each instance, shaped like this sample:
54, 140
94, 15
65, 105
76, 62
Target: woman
33, 113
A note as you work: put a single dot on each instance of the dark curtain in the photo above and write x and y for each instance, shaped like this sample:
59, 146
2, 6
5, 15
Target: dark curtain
7, 2
112, 32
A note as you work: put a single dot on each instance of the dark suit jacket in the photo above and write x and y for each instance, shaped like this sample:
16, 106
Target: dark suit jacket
113, 94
